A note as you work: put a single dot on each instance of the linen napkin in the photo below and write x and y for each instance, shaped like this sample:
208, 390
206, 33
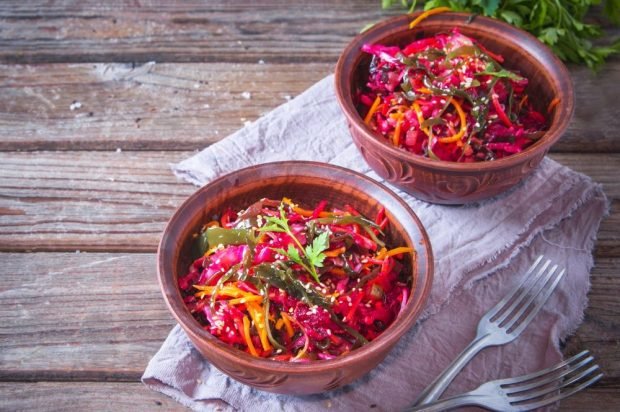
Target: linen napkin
481, 251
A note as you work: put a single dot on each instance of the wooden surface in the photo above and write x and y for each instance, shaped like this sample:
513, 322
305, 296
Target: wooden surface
98, 98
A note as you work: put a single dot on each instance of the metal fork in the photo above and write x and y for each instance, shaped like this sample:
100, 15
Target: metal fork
503, 323
527, 392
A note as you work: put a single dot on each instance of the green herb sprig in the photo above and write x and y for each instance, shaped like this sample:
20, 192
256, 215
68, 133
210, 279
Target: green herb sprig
313, 254
558, 23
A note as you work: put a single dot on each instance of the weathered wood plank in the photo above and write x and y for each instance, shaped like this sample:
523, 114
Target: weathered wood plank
189, 106
84, 396
105, 201
109, 201
277, 31
111, 396
79, 316
191, 31
100, 317
152, 106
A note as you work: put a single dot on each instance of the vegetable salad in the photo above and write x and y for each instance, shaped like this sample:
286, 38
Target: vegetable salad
286, 283
448, 98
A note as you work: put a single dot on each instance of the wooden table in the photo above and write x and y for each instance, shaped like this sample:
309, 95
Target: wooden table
96, 101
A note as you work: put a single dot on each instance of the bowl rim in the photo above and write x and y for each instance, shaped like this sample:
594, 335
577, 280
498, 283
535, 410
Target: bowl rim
534, 47
397, 329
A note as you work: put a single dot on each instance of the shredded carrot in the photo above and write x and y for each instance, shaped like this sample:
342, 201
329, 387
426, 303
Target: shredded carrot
396, 135
301, 211
553, 103
335, 252
256, 313
308, 213
418, 113
230, 291
427, 13
424, 90
210, 251
212, 224
372, 110
279, 324
245, 299
398, 251
247, 337
463, 129
381, 253
287, 324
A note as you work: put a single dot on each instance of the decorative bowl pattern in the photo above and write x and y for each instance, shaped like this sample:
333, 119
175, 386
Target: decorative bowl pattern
449, 182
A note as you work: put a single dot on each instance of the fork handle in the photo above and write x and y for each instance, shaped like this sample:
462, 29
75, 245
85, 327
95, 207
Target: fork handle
441, 382
466, 399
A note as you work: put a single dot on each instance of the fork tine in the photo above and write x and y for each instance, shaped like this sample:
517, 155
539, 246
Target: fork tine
544, 388
538, 305
547, 389
526, 279
541, 373
528, 296
562, 395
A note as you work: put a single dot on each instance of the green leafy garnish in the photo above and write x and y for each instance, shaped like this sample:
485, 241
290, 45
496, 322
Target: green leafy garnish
313, 254
561, 24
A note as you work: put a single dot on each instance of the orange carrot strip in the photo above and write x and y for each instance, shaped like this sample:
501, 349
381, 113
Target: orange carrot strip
418, 113
372, 110
461, 132
427, 13
335, 252
396, 135
247, 337
287, 324
553, 103
398, 251
308, 213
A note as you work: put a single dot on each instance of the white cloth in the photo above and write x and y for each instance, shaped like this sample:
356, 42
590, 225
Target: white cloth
481, 250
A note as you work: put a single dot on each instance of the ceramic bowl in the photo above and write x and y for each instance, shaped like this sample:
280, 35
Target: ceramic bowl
307, 183
451, 182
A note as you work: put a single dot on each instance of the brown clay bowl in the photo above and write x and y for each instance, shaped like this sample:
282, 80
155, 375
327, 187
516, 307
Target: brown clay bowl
450, 182
306, 183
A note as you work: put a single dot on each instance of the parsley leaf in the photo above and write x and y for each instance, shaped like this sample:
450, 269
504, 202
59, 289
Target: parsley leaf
314, 252
561, 24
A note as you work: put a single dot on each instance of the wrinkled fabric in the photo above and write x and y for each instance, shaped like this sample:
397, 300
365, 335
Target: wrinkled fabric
481, 251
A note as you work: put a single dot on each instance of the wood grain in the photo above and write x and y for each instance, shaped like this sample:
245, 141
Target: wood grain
87, 201
101, 317
85, 396
156, 106
109, 201
97, 396
189, 31
150, 106
79, 316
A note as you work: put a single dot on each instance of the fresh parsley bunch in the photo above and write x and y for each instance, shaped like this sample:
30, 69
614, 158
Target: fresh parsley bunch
558, 23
